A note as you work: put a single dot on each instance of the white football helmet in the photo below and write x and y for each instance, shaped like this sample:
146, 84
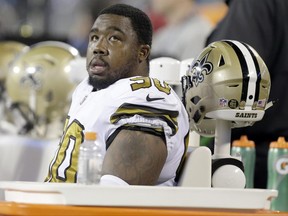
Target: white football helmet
39, 81
166, 69
228, 81
78, 69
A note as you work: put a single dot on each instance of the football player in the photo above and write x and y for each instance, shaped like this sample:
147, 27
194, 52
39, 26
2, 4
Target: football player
140, 121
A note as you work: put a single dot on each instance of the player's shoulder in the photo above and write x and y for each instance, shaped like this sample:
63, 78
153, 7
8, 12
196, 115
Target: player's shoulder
144, 90
83, 86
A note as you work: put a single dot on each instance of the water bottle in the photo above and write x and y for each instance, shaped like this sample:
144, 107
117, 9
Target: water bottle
278, 173
245, 149
90, 160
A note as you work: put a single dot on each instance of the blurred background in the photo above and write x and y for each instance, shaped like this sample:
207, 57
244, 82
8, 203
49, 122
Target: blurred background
31, 21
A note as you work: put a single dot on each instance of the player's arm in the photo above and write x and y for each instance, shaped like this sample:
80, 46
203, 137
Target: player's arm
136, 157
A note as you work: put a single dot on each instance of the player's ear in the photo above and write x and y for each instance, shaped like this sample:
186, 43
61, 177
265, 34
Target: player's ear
144, 52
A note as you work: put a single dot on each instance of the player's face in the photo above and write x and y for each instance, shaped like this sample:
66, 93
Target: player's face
112, 51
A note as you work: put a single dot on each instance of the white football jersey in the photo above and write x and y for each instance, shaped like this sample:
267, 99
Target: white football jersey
137, 102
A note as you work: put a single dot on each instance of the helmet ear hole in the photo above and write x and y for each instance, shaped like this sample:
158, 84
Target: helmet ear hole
221, 61
233, 86
202, 109
195, 99
197, 116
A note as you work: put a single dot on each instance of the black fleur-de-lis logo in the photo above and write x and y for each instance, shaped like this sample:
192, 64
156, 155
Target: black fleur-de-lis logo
199, 68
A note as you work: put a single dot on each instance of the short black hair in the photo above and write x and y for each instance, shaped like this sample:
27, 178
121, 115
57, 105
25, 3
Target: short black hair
141, 23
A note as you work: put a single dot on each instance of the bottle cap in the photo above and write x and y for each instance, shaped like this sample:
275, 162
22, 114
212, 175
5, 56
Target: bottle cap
243, 142
90, 135
280, 143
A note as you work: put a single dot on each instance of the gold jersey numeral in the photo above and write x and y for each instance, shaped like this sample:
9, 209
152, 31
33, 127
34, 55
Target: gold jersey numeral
64, 166
146, 82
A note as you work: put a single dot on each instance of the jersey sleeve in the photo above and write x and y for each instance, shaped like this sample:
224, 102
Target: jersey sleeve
150, 106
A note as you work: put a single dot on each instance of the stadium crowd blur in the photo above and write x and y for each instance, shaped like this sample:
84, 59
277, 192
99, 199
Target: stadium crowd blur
31, 21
